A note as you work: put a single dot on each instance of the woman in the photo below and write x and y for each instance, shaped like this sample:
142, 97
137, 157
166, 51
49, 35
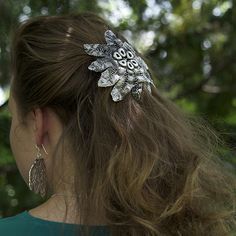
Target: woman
92, 133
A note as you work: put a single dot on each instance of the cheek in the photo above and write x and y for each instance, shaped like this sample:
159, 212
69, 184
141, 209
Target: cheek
20, 151
13, 137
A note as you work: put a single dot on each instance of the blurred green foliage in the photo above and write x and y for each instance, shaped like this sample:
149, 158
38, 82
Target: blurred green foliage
190, 46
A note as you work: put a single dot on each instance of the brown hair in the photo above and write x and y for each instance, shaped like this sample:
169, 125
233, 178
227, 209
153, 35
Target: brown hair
148, 166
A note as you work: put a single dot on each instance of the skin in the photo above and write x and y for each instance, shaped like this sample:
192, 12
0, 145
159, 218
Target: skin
43, 127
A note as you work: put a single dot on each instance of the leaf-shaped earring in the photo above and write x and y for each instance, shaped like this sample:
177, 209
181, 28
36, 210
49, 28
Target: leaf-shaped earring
37, 174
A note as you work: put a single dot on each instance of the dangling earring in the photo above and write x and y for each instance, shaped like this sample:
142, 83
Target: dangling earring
37, 174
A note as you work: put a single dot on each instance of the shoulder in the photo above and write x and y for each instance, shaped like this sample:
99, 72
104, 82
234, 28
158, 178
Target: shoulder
11, 225
18, 225
23, 224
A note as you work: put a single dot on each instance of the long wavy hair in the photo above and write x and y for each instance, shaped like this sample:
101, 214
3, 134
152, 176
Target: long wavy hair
147, 167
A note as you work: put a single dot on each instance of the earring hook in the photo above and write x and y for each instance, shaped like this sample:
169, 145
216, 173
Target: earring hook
43, 148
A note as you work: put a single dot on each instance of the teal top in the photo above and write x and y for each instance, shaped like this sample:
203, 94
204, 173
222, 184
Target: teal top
24, 224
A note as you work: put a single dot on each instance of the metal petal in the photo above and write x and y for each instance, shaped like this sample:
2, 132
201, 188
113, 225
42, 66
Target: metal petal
100, 65
129, 47
121, 88
151, 82
148, 76
99, 50
143, 75
111, 38
149, 88
121, 70
142, 78
142, 63
127, 87
131, 78
137, 90
108, 78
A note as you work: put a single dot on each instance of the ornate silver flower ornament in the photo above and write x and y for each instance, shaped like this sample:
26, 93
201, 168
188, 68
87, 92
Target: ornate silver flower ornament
120, 66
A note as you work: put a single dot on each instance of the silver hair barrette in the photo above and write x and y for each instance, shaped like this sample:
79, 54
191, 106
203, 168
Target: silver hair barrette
120, 66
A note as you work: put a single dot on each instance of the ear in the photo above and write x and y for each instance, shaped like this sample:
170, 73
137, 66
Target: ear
40, 125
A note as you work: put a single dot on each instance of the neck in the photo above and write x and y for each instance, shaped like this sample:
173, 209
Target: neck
56, 208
